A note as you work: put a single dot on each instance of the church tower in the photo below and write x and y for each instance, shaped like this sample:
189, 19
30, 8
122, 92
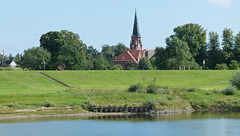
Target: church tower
136, 43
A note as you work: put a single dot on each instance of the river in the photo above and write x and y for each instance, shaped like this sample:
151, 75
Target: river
195, 124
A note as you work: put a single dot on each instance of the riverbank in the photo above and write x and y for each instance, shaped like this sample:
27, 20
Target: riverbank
24, 93
87, 115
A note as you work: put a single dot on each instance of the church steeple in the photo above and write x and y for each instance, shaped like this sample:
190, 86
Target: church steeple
136, 43
136, 32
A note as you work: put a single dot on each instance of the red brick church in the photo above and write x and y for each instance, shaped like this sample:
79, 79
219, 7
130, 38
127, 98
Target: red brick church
135, 53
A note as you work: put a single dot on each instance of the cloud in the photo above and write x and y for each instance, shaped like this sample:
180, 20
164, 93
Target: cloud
222, 3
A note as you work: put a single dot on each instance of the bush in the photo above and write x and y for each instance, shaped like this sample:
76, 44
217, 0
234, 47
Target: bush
235, 80
230, 90
170, 98
234, 65
136, 87
152, 88
13, 105
192, 89
217, 91
221, 66
6, 69
87, 105
150, 102
48, 104
117, 67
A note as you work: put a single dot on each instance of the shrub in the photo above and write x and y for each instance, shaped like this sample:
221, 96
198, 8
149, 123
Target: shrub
136, 87
230, 90
234, 65
13, 105
88, 105
192, 89
117, 67
200, 104
6, 69
217, 91
235, 80
48, 104
221, 66
150, 102
152, 88
170, 98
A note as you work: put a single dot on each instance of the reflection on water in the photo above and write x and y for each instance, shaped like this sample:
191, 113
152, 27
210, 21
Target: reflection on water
136, 117
197, 124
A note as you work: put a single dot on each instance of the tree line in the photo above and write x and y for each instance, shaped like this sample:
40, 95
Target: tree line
64, 48
187, 47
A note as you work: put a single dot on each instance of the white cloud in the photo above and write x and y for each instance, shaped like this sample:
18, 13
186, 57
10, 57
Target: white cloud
222, 3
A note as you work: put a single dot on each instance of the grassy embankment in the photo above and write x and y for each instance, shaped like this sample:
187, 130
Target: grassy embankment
31, 90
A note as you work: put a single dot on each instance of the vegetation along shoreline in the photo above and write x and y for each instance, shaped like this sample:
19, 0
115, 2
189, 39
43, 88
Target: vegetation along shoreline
30, 94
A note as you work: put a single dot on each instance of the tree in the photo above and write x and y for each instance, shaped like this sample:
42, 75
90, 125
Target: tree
10, 57
234, 65
71, 57
100, 63
18, 58
195, 36
237, 47
118, 49
214, 56
89, 65
107, 52
144, 64
63, 46
52, 41
161, 58
177, 51
34, 58
91, 50
227, 43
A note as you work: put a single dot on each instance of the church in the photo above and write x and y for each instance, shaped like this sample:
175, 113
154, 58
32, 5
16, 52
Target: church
136, 52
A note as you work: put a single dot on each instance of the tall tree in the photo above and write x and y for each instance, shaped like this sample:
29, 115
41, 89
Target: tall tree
18, 58
100, 63
71, 58
89, 63
195, 36
214, 54
34, 58
107, 52
161, 58
63, 46
177, 51
52, 41
237, 47
227, 43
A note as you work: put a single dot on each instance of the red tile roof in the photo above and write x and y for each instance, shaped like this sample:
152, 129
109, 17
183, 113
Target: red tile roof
130, 55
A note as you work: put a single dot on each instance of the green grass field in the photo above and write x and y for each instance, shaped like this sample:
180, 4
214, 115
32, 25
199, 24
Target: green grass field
12, 82
122, 79
31, 90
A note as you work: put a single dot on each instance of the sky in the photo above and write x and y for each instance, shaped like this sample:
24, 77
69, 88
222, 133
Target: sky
100, 22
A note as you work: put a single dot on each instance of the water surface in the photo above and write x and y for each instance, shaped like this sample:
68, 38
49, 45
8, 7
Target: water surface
197, 124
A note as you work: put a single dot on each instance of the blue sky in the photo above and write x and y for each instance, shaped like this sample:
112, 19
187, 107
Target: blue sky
100, 22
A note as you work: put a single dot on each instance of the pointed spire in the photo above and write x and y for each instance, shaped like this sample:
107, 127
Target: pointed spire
136, 32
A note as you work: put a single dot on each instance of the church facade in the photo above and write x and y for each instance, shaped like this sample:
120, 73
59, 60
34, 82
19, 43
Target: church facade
135, 52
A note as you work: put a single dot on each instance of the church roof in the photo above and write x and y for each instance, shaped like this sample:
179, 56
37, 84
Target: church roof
130, 55
136, 32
